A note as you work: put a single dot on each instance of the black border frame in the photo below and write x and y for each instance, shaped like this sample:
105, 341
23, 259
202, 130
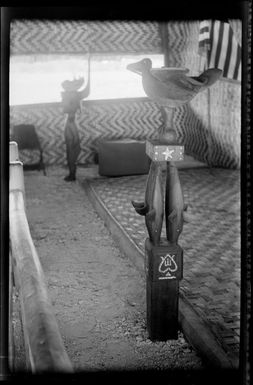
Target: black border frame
184, 10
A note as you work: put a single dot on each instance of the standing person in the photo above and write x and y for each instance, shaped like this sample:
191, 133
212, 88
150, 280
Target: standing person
71, 99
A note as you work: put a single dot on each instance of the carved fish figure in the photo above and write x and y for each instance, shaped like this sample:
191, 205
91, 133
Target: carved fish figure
175, 209
170, 87
152, 208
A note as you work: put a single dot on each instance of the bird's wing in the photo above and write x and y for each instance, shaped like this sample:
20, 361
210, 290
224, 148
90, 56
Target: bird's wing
165, 74
187, 82
177, 81
204, 80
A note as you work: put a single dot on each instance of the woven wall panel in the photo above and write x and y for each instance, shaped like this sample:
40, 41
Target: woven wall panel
130, 119
216, 142
178, 40
133, 119
225, 100
44, 36
191, 58
136, 120
191, 132
49, 123
222, 133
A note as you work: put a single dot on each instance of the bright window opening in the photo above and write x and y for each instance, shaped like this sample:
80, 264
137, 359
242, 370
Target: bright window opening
37, 78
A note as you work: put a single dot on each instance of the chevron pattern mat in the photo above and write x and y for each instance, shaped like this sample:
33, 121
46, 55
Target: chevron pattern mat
211, 242
45, 36
136, 119
179, 37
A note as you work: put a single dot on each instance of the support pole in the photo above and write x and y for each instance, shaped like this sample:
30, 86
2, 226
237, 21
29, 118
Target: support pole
163, 28
165, 257
164, 265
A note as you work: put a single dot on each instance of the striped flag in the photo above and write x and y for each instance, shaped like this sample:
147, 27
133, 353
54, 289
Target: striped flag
219, 46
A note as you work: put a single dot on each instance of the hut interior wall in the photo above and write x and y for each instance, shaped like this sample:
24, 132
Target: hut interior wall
209, 126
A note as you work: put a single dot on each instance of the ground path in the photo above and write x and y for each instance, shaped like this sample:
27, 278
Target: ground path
97, 294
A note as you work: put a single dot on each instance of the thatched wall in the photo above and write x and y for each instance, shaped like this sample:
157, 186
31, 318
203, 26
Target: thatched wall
209, 127
212, 121
49, 36
115, 119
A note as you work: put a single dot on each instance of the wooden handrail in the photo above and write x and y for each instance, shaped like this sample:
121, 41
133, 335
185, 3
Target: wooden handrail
45, 351
13, 153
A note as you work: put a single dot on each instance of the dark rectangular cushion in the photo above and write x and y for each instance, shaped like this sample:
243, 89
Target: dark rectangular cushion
122, 157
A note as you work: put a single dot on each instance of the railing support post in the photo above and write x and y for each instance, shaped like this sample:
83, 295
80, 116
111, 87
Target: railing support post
164, 265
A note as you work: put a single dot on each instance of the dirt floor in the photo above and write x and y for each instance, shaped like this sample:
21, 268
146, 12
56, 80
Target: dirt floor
97, 294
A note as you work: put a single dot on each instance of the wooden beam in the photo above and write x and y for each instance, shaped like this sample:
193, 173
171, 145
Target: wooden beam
10, 324
45, 351
13, 153
163, 30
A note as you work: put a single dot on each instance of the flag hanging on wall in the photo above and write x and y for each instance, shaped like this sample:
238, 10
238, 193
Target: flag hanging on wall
220, 47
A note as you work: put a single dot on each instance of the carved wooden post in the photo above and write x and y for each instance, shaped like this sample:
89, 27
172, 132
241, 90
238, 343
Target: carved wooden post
163, 256
71, 99
169, 87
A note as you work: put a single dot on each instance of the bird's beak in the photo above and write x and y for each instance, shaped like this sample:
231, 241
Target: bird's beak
135, 67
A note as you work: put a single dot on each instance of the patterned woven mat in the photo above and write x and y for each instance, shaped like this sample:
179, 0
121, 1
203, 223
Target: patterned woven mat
211, 242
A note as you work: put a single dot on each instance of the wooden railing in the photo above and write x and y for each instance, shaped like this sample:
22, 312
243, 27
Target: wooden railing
44, 347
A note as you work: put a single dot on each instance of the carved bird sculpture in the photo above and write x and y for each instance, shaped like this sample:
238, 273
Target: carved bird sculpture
171, 87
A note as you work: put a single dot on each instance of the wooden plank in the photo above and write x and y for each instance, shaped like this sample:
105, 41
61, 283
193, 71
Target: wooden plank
45, 351
10, 324
16, 181
163, 31
45, 347
13, 152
